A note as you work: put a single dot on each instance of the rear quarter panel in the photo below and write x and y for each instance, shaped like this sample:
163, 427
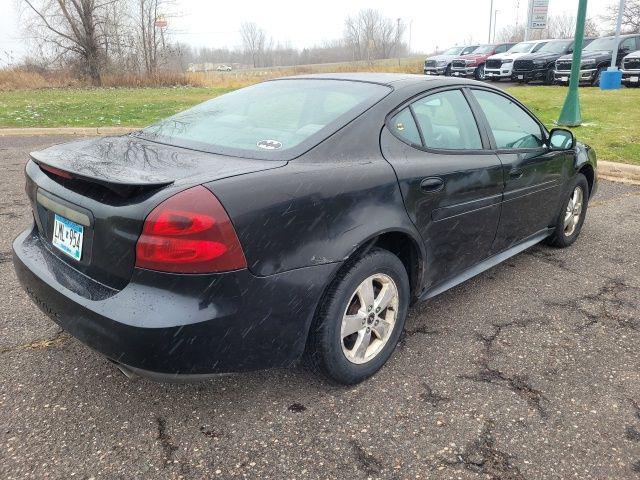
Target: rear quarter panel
320, 207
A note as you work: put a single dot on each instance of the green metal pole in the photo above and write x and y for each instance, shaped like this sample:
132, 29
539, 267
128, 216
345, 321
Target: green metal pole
570, 115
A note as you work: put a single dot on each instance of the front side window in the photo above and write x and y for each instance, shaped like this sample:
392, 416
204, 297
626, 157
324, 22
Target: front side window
268, 118
512, 127
628, 44
446, 121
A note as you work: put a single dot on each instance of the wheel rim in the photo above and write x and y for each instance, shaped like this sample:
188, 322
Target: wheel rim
369, 319
573, 211
481, 72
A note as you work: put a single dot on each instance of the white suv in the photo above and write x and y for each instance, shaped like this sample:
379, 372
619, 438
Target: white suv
500, 66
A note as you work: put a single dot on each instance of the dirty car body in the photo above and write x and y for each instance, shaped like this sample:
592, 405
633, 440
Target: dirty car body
290, 217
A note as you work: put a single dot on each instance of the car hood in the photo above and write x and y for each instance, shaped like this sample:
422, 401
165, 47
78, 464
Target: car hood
588, 55
442, 57
506, 56
128, 161
634, 55
548, 56
474, 56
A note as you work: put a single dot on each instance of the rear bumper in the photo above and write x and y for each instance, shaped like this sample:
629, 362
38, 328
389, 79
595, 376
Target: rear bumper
173, 324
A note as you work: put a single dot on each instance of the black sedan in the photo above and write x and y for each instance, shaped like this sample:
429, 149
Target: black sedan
295, 218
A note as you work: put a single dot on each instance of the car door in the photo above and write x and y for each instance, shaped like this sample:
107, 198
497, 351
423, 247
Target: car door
533, 174
451, 185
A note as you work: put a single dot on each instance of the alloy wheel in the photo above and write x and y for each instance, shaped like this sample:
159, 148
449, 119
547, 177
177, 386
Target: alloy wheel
369, 318
573, 211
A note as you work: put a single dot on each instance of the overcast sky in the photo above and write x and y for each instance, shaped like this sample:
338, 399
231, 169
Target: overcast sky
212, 23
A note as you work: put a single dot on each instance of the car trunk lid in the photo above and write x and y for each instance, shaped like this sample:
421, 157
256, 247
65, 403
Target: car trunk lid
108, 186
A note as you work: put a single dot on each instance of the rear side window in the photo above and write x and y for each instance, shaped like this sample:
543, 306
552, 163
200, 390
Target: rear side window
512, 127
405, 127
268, 118
446, 121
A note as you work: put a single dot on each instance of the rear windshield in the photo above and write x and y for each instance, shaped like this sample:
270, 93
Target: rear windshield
268, 119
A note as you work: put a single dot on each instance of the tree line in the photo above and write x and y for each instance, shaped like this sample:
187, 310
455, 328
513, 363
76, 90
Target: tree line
94, 37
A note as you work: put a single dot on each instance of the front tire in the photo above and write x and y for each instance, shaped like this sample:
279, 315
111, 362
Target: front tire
479, 73
596, 79
572, 214
447, 71
360, 319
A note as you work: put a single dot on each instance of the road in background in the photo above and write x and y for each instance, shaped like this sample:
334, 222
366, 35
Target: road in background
528, 371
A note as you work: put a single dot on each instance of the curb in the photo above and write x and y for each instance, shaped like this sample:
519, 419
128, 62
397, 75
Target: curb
83, 131
613, 171
619, 172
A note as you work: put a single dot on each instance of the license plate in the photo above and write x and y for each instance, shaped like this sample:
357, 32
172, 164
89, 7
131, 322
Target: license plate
634, 79
67, 237
520, 77
565, 79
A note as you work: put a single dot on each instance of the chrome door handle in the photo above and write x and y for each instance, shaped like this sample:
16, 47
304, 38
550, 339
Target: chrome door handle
431, 184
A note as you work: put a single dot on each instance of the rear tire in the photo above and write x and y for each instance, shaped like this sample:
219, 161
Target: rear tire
349, 340
572, 214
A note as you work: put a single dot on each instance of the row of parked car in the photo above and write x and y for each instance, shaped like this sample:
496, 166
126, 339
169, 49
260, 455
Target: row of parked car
548, 61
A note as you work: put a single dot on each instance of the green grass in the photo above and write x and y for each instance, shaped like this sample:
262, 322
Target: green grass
97, 107
611, 119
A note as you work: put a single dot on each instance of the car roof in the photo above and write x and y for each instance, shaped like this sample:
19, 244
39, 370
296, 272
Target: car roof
388, 79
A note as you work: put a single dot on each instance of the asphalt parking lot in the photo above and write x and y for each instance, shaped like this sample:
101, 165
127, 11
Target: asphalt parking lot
528, 371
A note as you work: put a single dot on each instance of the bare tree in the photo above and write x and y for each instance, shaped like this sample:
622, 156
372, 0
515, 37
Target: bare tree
149, 18
630, 16
253, 40
371, 35
76, 27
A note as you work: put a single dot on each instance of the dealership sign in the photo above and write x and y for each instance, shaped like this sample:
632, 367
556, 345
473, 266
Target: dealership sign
538, 14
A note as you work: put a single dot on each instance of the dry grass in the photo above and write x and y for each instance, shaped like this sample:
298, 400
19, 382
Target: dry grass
22, 79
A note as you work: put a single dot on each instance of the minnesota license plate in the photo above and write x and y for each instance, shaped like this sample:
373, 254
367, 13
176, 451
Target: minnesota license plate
634, 79
67, 236
520, 77
565, 79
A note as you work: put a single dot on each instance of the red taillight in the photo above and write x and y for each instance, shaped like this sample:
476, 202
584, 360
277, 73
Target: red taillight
56, 171
189, 233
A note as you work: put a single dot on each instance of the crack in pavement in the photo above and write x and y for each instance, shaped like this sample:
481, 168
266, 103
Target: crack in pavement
433, 398
518, 384
368, 462
168, 448
59, 339
482, 456
606, 303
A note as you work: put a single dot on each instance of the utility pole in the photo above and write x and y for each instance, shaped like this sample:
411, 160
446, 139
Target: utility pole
398, 40
495, 21
490, 20
614, 59
570, 116
528, 20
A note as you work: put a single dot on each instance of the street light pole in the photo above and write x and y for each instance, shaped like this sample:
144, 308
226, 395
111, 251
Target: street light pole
570, 116
490, 20
495, 21
614, 59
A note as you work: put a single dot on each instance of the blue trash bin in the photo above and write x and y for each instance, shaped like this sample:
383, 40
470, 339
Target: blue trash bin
610, 79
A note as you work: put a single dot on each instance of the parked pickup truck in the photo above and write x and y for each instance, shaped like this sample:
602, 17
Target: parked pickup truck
441, 64
540, 65
473, 64
596, 58
500, 66
631, 69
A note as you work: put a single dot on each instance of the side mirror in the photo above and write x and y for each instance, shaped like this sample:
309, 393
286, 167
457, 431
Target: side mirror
561, 139
569, 51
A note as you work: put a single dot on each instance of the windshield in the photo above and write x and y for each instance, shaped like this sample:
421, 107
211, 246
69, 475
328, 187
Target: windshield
606, 44
557, 46
271, 117
523, 47
453, 51
484, 49
468, 49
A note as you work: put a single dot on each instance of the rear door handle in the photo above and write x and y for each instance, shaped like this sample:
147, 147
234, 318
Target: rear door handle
516, 174
431, 184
